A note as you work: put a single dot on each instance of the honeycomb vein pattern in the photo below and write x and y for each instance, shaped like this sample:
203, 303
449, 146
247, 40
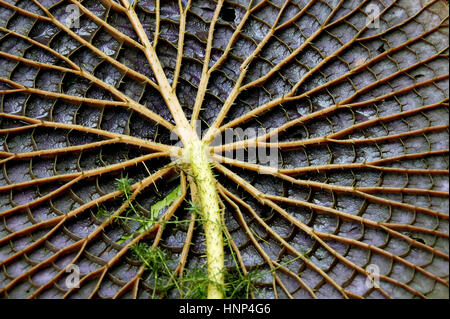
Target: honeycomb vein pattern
361, 115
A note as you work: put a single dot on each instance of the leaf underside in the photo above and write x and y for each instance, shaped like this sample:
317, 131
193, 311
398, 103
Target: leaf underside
362, 119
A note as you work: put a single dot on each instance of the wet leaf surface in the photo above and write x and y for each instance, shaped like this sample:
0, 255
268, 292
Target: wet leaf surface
361, 116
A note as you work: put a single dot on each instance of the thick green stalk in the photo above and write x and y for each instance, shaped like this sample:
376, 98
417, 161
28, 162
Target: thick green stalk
197, 156
209, 201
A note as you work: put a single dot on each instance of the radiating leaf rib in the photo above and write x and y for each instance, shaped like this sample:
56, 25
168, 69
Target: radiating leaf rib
78, 177
125, 138
326, 139
267, 200
84, 174
181, 33
126, 101
65, 97
290, 96
237, 88
167, 215
327, 209
235, 35
205, 74
170, 98
271, 262
114, 32
264, 137
82, 41
294, 251
137, 188
324, 112
352, 190
90, 118
358, 165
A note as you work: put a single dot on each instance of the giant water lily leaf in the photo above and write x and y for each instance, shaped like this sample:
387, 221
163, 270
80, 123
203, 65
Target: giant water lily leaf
98, 99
